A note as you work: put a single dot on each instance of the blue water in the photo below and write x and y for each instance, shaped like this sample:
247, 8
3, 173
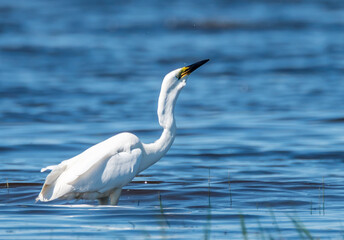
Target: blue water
260, 127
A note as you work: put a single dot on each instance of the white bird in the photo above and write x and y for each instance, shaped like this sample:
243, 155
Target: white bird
104, 169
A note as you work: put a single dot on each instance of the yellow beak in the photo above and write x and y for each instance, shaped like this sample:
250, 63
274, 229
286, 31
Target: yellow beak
189, 69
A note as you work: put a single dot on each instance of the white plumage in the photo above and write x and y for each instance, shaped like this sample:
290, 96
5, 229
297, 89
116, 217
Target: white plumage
104, 169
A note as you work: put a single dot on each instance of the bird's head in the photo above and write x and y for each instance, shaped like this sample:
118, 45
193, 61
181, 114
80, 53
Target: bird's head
176, 80
171, 86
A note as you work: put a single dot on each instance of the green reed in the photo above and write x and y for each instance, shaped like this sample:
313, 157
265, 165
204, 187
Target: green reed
243, 227
162, 214
321, 201
323, 195
301, 229
230, 191
207, 228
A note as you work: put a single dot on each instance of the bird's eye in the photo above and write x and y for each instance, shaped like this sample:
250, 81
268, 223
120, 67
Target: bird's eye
179, 75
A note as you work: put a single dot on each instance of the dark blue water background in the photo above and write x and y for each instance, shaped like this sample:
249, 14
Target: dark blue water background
267, 110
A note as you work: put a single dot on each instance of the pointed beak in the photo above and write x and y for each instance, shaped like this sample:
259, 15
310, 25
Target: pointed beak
189, 69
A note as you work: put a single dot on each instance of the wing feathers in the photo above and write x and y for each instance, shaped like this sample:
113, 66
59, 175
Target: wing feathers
105, 166
48, 168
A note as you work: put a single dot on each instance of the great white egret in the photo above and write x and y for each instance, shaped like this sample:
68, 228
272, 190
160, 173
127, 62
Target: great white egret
104, 169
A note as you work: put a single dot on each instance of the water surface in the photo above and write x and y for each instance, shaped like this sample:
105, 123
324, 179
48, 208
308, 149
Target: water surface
260, 127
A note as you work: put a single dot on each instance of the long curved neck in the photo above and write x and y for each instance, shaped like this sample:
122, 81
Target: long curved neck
155, 151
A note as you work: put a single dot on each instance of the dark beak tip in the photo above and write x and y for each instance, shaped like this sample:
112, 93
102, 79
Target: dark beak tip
203, 62
196, 65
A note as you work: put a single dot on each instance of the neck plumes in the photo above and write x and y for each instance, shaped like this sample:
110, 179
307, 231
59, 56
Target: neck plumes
155, 151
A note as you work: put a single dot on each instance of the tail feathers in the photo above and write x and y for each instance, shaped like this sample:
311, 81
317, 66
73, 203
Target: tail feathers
52, 167
56, 172
54, 191
46, 194
50, 189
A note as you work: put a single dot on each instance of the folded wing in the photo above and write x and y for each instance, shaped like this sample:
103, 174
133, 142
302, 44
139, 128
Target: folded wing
108, 165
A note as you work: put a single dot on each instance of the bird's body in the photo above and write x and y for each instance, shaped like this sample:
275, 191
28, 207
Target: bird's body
89, 174
101, 171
